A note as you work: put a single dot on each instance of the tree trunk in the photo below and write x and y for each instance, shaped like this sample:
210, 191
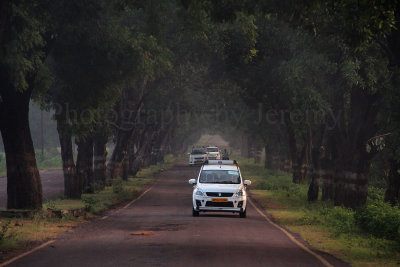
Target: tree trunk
131, 152
125, 166
272, 156
257, 155
313, 189
327, 169
298, 174
115, 164
71, 185
317, 151
351, 189
141, 155
125, 129
351, 180
327, 185
24, 188
162, 148
298, 167
100, 158
392, 194
84, 164
268, 157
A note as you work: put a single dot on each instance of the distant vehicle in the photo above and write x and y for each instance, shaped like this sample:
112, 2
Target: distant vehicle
198, 156
220, 187
213, 153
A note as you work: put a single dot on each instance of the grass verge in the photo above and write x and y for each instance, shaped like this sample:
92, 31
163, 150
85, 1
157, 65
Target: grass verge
19, 234
334, 230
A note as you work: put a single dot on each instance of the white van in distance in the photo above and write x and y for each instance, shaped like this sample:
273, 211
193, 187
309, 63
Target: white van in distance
213, 153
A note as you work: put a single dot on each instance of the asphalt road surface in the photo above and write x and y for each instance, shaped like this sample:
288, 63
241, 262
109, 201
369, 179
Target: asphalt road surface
159, 230
52, 186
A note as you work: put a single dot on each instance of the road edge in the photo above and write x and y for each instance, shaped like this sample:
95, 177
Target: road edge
144, 192
27, 253
324, 261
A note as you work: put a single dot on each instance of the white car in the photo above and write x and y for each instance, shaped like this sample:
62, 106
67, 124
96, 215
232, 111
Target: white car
220, 187
198, 156
213, 153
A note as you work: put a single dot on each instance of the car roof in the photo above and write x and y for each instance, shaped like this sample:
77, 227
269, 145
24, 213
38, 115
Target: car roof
221, 167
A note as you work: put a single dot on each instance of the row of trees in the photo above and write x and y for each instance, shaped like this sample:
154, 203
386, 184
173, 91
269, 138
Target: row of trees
325, 79
315, 82
101, 66
122, 71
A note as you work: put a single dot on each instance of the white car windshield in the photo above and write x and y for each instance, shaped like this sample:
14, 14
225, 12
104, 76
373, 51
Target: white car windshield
212, 149
220, 177
197, 152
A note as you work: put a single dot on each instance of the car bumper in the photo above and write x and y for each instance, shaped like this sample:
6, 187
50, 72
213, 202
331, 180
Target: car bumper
218, 209
197, 161
233, 204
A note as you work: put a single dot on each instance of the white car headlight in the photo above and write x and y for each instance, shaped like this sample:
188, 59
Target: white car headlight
239, 193
199, 193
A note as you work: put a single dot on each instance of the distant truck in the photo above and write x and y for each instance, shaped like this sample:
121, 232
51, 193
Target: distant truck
198, 156
213, 153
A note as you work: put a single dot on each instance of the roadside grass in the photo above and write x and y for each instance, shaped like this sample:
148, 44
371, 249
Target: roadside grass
335, 230
50, 163
22, 233
63, 204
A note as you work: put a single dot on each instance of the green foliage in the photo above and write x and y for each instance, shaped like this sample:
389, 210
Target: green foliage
50, 160
341, 219
240, 39
51, 204
4, 230
23, 42
375, 194
380, 219
90, 201
377, 218
117, 186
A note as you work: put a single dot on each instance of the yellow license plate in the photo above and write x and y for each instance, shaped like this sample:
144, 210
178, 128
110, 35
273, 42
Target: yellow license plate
219, 200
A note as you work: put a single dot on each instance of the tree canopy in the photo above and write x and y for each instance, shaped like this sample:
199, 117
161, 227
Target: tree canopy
312, 82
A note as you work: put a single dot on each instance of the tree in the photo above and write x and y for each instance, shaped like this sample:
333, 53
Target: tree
23, 41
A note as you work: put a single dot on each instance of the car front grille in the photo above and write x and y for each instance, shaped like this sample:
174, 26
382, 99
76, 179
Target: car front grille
228, 204
217, 194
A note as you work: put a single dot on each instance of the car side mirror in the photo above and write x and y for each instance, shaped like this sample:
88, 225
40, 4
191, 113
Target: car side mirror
247, 182
192, 181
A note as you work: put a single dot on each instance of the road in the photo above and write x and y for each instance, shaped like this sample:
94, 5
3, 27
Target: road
52, 186
159, 230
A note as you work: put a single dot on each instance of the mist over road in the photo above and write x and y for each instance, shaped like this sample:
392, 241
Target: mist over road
159, 230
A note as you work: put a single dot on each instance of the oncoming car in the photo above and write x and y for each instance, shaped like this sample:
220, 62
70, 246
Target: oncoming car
213, 153
220, 187
197, 156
